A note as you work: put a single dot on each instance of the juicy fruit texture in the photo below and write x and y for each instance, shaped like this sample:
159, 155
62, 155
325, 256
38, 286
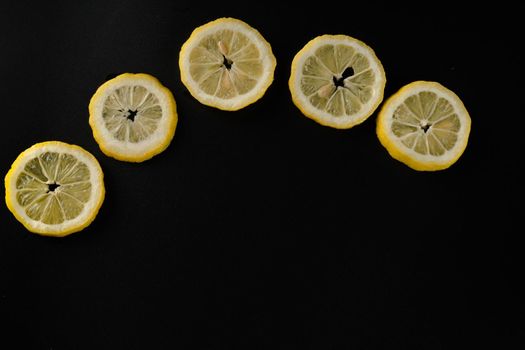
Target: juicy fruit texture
337, 81
424, 125
133, 117
54, 188
226, 64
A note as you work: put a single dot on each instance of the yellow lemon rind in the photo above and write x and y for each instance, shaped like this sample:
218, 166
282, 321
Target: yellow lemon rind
310, 111
102, 141
47, 230
399, 151
225, 104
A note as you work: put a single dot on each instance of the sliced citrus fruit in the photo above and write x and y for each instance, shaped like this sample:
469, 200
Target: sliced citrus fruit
424, 125
337, 80
226, 64
133, 117
54, 188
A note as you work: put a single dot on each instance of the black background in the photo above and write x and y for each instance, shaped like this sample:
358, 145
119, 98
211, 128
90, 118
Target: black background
260, 229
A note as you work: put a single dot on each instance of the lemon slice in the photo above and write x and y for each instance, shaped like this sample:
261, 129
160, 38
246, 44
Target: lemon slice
424, 125
337, 81
54, 188
133, 117
226, 64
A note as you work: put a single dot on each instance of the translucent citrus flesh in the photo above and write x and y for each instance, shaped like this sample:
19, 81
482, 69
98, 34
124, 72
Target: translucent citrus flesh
325, 85
337, 81
426, 124
226, 64
133, 117
53, 187
131, 113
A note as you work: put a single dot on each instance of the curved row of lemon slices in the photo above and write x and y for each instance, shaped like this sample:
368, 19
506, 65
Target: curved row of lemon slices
336, 80
54, 188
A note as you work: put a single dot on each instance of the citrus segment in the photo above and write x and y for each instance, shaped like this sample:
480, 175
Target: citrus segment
133, 117
424, 125
226, 64
54, 188
337, 81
